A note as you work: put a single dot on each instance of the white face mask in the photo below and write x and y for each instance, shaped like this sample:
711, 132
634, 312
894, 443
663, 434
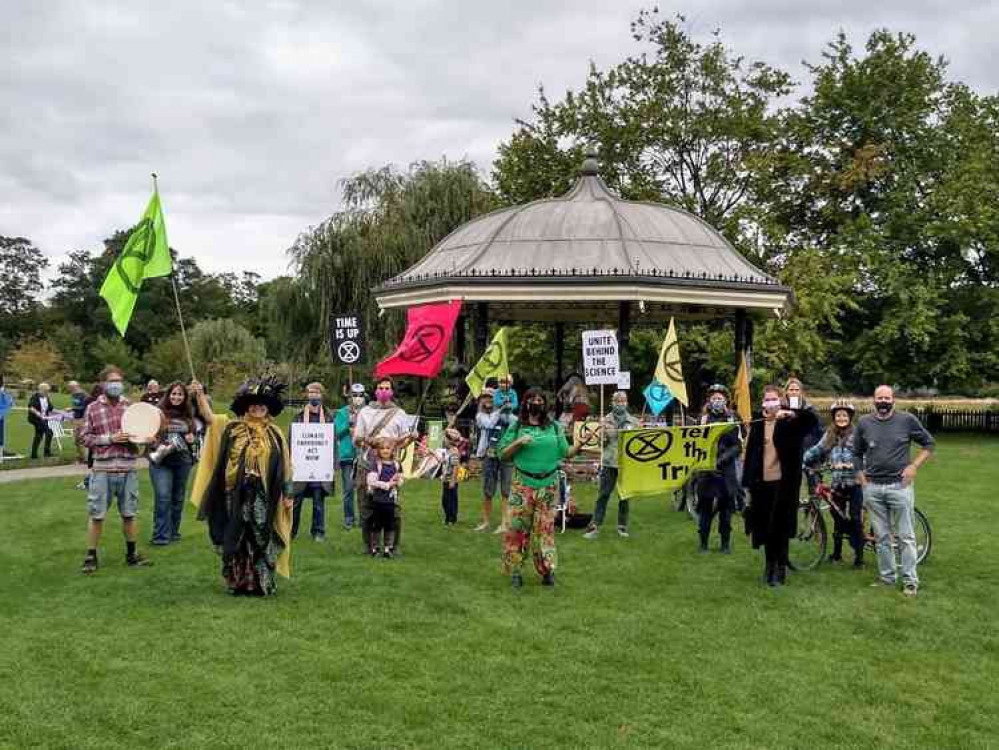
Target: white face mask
771, 405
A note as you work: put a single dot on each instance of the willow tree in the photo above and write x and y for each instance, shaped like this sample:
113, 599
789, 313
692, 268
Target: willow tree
388, 220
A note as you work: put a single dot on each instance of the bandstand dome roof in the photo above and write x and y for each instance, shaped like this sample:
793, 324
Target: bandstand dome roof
579, 255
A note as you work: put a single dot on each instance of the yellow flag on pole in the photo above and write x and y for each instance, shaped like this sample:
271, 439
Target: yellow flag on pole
492, 364
740, 391
669, 371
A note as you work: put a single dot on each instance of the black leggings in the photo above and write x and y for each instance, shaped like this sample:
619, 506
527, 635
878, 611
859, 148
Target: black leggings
382, 520
40, 432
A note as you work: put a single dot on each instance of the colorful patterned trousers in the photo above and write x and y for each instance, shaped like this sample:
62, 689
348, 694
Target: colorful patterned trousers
532, 525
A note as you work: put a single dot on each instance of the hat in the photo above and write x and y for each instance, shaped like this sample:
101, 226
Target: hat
267, 391
841, 404
718, 388
357, 389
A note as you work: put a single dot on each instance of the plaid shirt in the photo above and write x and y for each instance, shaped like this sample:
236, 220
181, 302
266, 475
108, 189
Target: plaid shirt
102, 420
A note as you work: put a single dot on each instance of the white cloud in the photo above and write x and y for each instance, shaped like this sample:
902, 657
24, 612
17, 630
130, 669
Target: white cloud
250, 112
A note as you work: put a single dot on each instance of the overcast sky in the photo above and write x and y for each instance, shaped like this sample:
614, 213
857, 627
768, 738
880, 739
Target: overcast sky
251, 111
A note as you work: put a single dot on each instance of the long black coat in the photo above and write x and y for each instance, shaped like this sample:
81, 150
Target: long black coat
36, 403
770, 516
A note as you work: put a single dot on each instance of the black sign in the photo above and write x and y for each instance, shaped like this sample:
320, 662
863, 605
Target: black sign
346, 339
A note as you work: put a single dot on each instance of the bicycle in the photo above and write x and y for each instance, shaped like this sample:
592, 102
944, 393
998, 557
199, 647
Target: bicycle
808, 547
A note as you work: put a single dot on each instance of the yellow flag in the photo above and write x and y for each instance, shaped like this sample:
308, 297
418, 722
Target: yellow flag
740, 391
653, 461
669, 372
492, 364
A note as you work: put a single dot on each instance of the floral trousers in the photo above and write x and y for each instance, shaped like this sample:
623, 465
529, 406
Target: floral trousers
532, 526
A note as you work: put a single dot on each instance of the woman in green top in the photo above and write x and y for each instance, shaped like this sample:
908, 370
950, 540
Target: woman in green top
536, 446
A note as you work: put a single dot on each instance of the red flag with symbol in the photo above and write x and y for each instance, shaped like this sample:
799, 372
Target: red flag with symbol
422, 351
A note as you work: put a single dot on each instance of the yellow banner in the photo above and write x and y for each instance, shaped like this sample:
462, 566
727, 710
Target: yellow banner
657, 460
492, 364
587, 435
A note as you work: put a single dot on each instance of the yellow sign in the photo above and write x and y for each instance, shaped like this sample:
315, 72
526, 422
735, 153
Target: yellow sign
588, 434
657, 460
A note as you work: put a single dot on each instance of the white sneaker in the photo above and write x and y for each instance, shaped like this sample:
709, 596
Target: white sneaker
501, 529
622, 532
591, 534
484, 526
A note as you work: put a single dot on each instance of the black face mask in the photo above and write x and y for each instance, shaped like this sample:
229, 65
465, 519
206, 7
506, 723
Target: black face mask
884, 407
535, 410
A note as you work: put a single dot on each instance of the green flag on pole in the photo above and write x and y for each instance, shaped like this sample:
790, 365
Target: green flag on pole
145, 256
493, 364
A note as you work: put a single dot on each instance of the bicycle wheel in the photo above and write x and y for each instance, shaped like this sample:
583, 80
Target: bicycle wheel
924, 535
807, 548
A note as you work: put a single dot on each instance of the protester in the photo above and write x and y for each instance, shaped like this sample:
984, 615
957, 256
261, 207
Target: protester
88, 455
794, 389
39, 409
619, 419
152, 393
881, 452
113, 474
78, 404
243, 487
836, 446
505, 397
384, 480
313, 413
449, 476
574, 399
537, 446
382, 418
170, 462
346, 418
772, 473
718, 490
491, 423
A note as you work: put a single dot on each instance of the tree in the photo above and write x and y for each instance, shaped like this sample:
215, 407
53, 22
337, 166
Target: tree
36, 360
21, 266
224, 353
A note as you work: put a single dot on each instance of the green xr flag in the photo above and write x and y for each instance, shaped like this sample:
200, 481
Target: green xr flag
146, 255
493, 364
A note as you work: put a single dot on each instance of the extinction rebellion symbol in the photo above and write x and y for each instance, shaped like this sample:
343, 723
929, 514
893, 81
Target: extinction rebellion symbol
426, 340
349, 352
649, 445
142, 251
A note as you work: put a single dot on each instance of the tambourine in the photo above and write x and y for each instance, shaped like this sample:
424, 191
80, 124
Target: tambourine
141, 422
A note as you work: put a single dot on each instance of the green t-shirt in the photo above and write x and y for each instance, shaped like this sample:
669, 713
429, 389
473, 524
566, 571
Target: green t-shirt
541, 456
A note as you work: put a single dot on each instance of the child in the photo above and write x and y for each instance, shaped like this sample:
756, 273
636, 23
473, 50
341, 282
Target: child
384, 480
449, 476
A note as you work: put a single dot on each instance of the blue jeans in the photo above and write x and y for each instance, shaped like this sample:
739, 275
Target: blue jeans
315, 491
347, 485
891, 508
169, 488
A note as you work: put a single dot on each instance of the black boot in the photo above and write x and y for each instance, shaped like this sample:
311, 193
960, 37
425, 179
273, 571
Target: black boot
516, 580
704, 544
858, 558
781, 573
837, 553
726, 546
548, 579
771, 574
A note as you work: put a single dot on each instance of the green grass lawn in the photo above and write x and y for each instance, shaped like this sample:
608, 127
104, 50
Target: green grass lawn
643, 643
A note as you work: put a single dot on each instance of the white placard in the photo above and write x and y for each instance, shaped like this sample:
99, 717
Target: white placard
312, 452
624, 380
600, 357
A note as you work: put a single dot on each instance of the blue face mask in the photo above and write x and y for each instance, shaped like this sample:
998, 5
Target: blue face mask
114, 389
315, 401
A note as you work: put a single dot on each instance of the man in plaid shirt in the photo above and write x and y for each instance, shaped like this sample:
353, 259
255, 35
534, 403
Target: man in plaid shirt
113, 474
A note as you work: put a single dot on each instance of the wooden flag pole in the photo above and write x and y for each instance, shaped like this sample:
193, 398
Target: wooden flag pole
176, 299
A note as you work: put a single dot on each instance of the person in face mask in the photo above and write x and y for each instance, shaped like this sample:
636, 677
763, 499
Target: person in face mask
381, 419
346, 419
537, 447
113, 475
772, 473
313, 413
717, 490
882, 448
618, 419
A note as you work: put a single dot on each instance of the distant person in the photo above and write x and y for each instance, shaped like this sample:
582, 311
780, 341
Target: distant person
152, 393
881, 448
619, 419
313, 413
39, 409
836, 449
496, 473
77, 399
171, 459
772, 473
346, 419
382, 419
505, 397
718, 490
794, 389
449, 475
384, 480
537, 447
113, 476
